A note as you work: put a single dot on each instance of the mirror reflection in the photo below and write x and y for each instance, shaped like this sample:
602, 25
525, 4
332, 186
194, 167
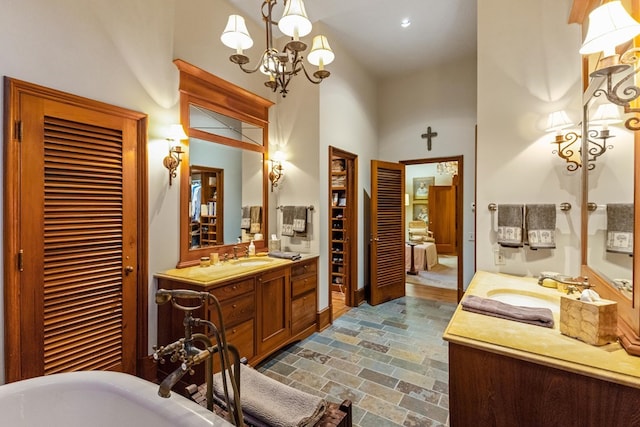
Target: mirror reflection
238, 179
220, 125
610, 198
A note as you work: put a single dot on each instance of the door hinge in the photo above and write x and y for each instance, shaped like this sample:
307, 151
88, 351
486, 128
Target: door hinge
21, 260
17, 130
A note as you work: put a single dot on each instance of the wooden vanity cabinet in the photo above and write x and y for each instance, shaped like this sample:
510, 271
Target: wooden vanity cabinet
262, 311
304, 304
274, 314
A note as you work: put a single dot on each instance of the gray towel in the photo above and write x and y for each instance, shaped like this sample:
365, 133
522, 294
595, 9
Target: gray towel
541, 226
510, 222
274, 403
300, 219
620, 228
256, 219
288, 214
245, 222
531, 315
293, 256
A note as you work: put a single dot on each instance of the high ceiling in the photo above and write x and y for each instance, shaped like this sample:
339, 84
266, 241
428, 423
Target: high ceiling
440, 30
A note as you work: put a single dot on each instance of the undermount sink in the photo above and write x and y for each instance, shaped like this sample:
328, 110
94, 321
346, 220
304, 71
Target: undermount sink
525, 299
252, 262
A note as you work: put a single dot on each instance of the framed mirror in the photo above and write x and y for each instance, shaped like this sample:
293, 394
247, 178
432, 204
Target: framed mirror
609, 191
223, 176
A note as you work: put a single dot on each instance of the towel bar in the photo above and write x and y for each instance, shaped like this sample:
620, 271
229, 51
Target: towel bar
564, 206
310, 207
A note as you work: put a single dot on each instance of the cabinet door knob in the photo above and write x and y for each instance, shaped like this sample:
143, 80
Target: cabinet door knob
234, 287
128, 269
234, 305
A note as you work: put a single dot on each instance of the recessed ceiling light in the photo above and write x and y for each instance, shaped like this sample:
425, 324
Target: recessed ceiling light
405, 23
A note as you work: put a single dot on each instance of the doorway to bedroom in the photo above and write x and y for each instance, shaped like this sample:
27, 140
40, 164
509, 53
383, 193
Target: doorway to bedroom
433, 227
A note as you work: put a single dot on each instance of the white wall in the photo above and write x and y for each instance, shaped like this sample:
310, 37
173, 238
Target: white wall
528, 67
445, 99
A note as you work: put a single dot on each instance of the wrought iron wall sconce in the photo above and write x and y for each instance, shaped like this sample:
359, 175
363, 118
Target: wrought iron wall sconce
277, 170
172, 160
569, 144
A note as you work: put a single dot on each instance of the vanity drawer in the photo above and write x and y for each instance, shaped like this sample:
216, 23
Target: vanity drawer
235, 311
234, 289
304, 267
242, 338
303, 312
300, 286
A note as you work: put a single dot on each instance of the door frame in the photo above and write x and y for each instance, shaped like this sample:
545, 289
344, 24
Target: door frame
459, 210
11, 197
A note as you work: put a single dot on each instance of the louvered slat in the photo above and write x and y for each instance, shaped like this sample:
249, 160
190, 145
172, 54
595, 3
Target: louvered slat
83, 223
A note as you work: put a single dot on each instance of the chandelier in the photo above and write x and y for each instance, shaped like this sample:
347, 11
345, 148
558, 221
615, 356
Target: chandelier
280, 66
447, 168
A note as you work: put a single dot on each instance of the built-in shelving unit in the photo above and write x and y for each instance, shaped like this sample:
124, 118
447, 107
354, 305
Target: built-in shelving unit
206, 227
342, 223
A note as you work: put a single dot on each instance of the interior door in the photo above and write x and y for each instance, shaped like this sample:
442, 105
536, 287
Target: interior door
442, 217
387, 232
71, 257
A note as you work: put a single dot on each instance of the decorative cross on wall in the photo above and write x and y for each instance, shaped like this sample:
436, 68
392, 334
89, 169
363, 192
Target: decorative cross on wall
428, 137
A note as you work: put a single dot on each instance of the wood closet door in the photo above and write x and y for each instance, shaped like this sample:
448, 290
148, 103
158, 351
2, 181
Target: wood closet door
76, 241
387, 232
442, 217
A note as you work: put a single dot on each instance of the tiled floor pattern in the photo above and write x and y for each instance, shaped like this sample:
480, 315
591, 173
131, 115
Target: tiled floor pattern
390, 360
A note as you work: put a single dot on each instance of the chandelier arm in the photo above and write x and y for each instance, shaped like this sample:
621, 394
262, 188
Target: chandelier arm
317, 82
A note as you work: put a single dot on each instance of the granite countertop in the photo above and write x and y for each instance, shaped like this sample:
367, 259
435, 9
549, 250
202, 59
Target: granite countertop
545, 346
210, 275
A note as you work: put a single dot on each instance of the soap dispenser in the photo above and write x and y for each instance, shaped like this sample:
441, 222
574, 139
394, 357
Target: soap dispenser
252, 249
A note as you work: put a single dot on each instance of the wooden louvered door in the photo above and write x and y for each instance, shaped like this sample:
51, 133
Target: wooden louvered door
387, 232
77, 239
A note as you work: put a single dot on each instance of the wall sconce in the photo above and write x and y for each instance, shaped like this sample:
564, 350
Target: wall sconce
610, 25
569, 144
277, 170
172, 161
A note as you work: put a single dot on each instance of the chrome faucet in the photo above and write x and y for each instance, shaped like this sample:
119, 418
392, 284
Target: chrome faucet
573, 283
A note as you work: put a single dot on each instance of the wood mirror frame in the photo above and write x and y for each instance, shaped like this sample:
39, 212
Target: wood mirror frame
628, 310
198, 87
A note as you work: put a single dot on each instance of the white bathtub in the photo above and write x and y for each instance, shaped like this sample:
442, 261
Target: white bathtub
97, 398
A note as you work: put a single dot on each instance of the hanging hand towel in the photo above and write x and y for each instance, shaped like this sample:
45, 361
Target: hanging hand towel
245, 222
541, 226
510, 222
256, 219
620, 228
300, 219
288, 213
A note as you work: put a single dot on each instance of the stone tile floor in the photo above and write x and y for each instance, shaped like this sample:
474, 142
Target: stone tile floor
389, 360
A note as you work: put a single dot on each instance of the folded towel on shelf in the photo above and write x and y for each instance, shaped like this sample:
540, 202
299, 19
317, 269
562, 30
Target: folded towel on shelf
288, 214
620, 228
272, 402
293, 256
300, 219
540, 221
256, 219
510, 222
245, 222
531, 315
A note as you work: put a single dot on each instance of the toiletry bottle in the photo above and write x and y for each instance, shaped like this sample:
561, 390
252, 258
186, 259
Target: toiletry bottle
252, 249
